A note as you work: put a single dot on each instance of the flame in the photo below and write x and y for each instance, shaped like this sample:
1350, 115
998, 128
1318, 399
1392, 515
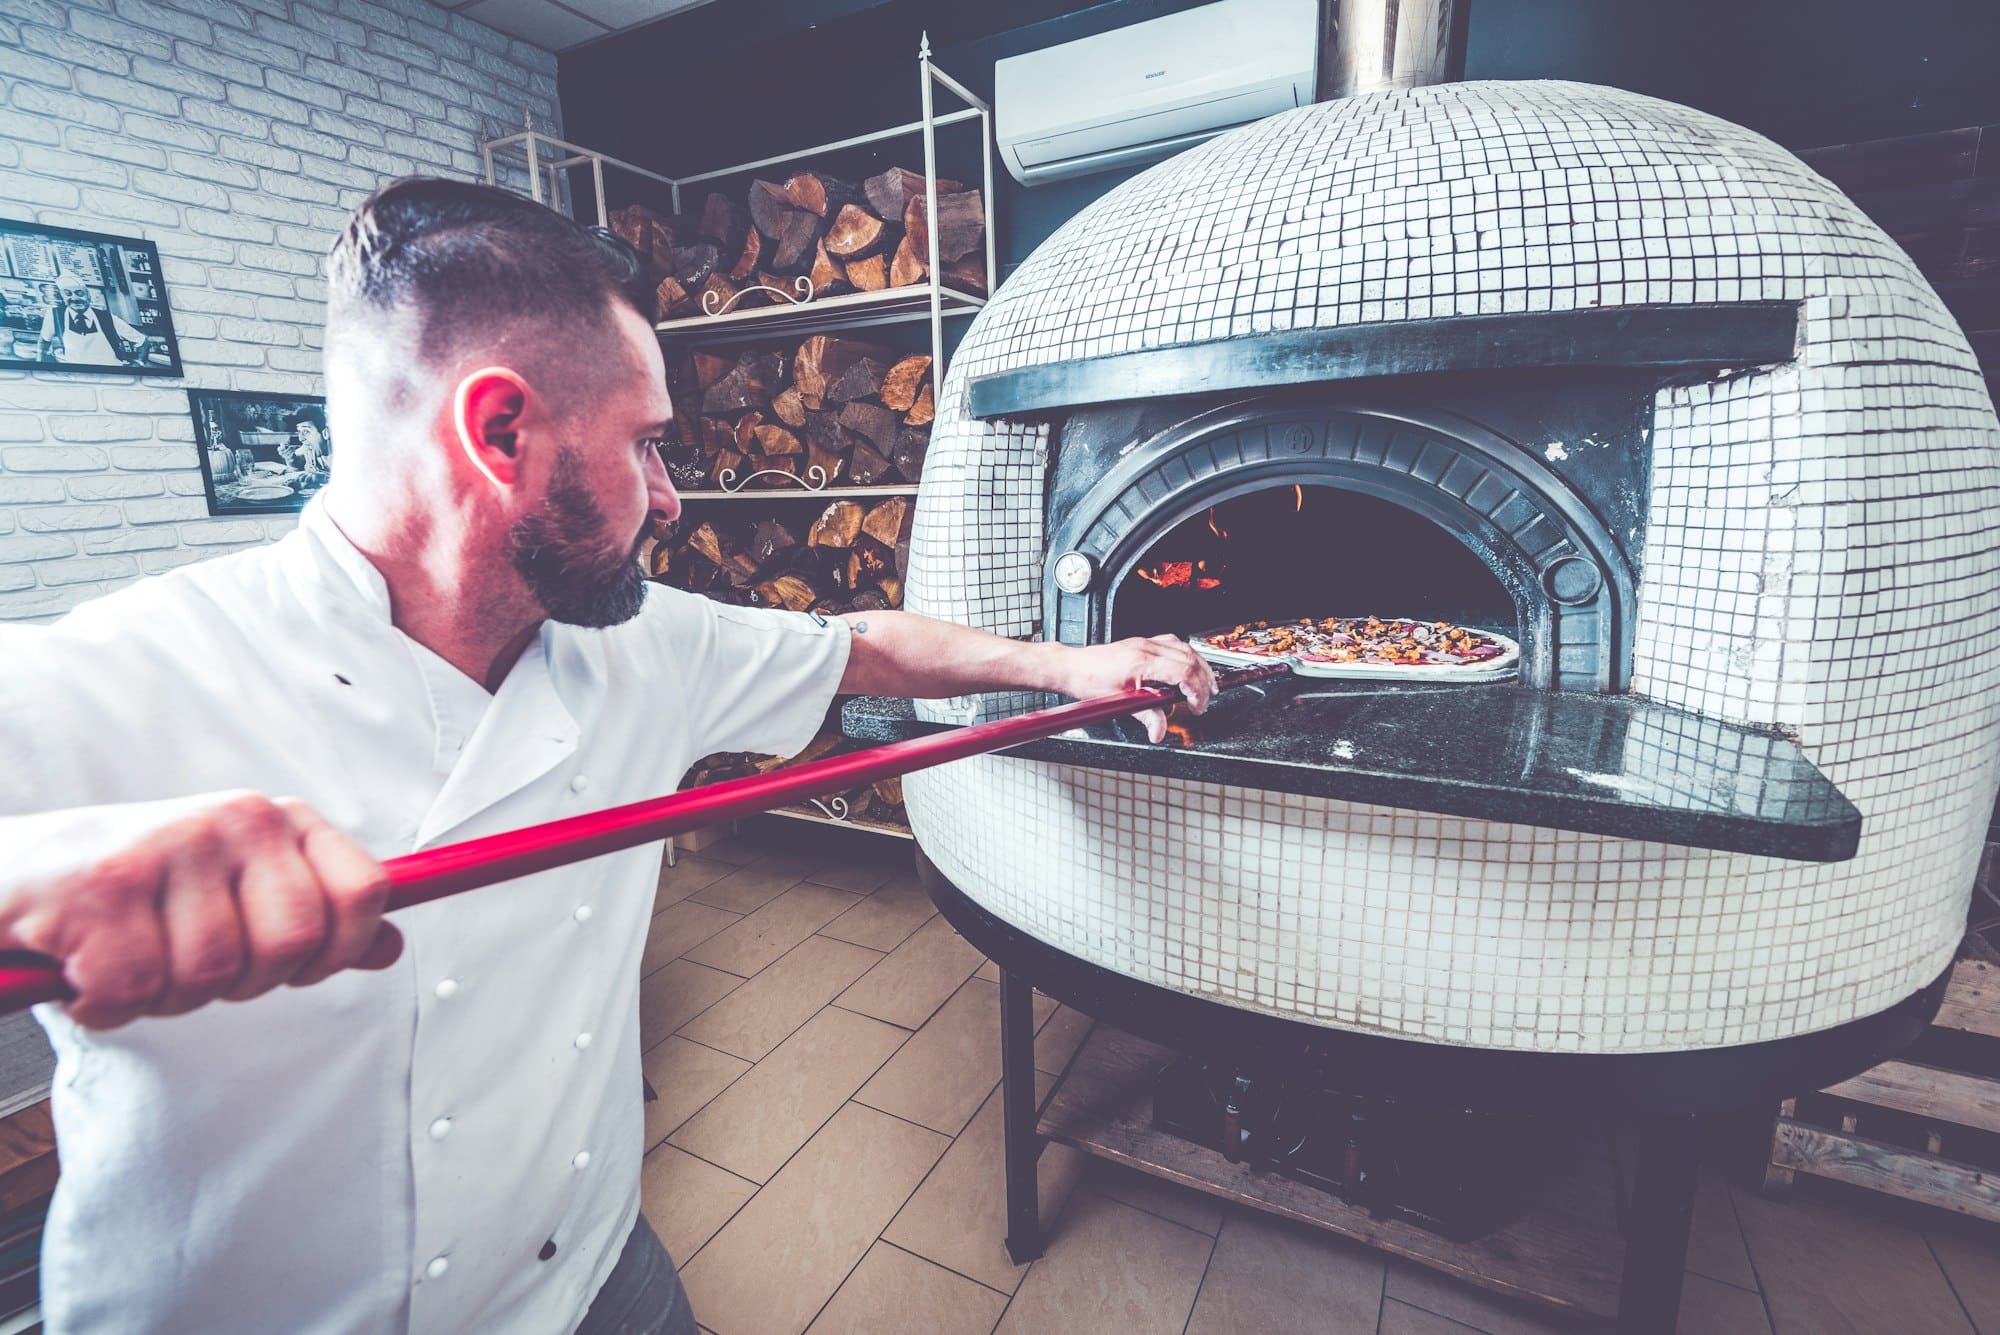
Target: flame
1204, 580
1298, 499
1168, 574
1214, 527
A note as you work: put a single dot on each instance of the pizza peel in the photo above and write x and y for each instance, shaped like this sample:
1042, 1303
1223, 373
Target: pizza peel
433, 873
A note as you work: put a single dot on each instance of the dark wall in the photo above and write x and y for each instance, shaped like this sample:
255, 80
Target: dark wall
740, 79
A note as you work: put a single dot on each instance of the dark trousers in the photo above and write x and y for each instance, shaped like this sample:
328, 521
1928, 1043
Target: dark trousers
643, 1293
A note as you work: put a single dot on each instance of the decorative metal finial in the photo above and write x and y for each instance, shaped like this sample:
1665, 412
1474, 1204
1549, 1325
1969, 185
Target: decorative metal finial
528, 119
924, 46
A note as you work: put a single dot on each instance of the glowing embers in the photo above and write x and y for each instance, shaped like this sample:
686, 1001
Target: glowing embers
1305, 551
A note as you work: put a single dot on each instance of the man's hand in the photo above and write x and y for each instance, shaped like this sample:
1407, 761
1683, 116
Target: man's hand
1101, 669
156, 908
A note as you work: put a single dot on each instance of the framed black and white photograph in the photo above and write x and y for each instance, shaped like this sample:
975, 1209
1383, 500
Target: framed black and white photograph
260, 453
83, 302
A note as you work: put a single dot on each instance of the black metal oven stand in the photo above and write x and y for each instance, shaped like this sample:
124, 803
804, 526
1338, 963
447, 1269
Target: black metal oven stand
1662, 1097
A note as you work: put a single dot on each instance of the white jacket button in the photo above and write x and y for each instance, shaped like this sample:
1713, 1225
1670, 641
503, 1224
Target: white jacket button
446, 989
437, 1267
582, 1159
583, 1040
440, 1128
578, 784
582, 913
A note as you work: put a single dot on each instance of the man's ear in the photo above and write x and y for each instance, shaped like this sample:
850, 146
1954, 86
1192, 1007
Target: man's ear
487, 413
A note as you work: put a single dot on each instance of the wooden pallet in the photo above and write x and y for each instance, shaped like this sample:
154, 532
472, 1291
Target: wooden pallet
1945, 1099
1566, 1253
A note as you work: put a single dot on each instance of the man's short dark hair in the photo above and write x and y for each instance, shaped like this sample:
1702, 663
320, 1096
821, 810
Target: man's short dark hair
298, 419
470, 260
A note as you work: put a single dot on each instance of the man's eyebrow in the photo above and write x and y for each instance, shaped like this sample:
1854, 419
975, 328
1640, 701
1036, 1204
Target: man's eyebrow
659, 426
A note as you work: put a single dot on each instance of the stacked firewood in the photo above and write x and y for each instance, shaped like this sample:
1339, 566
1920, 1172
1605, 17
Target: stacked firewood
843, 237
880, 802
831, 412
851, 558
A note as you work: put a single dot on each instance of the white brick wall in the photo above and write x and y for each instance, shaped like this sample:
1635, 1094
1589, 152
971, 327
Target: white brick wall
236, 135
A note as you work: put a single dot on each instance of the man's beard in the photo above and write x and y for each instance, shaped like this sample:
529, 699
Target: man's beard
560, 552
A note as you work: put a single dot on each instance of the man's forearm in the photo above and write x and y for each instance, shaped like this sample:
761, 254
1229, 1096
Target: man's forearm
898, 653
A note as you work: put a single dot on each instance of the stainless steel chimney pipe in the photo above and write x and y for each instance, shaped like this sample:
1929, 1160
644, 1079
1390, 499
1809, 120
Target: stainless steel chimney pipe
1371, 46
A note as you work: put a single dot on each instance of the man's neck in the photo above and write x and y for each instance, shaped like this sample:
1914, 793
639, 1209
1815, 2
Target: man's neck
442, 582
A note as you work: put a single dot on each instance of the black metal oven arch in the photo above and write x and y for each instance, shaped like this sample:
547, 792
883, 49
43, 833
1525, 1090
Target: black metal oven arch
1572, 586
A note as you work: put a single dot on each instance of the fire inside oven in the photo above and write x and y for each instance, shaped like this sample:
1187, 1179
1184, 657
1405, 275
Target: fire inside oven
1306, 551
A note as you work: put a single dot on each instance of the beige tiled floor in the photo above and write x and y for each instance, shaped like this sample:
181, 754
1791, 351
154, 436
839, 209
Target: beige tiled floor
825, 1157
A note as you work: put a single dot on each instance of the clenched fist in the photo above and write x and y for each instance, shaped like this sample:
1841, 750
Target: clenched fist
155, 908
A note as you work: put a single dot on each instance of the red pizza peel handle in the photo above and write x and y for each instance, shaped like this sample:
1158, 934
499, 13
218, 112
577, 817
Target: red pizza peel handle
433, 873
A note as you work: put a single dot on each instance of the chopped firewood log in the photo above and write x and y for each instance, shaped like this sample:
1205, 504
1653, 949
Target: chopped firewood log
968, 274
912, 443
730, 462
875, 423
830, 463
923, 410
822, 359
865, 561
744, 434
908, 267
773, 441
837, 525
961, 225
890, 790
855, 232
709, 368
746, 263
820, 194
869, 275
693, 264
771, 540
823, 429
890, 192
792, 244
787, 407
723, 221
789, 592
658, 560
865, 467
715, 293
888, 523
742, 388
891, 585
869, 601
826, 272
768, 206
819, 747
863, 380
650, 233
905, 378
787, 286
779, 467
670, 295
707, 541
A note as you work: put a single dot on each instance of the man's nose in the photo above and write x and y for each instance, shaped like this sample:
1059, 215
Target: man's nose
661, 498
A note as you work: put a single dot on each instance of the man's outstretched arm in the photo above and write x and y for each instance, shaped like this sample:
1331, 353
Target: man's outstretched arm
900, 653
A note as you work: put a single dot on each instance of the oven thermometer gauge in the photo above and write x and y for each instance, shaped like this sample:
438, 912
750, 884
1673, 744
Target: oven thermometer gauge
1074, 572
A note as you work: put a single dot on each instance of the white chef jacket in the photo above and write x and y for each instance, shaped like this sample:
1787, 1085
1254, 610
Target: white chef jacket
383, 1151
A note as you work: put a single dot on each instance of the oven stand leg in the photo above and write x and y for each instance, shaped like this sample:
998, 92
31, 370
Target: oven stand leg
1017, 1102
1657, 1225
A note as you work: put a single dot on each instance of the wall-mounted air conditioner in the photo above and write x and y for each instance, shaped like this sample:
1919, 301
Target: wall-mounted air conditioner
1140, 93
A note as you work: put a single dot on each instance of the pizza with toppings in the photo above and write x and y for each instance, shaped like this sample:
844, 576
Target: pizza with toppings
1364, 646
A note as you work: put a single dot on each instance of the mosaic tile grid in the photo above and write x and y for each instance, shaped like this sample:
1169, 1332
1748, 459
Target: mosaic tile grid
1821, 553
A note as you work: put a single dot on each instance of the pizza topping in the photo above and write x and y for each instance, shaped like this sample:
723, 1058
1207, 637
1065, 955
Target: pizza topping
1394, 642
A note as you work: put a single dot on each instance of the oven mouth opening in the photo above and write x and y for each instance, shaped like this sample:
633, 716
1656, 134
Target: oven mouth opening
1305, 550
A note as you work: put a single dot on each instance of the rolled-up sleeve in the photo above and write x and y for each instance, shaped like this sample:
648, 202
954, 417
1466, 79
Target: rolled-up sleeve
763, 679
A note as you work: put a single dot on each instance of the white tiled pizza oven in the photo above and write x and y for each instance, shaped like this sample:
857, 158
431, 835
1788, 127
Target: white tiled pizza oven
1820, 551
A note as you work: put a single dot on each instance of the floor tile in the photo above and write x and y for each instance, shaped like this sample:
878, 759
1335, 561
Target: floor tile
1402, 1319
1271, 1275
1110, 1268
689, 873
1058, 1040
773, 1266
940, 1077
1710, 1307
756, 1124
686, 1200
959, 1216
1971, 1259
675, 993
865, 873
1828, 1270
685, 1076
747, 889
895, 1293
989, 971
886, 918
759, 939
762, 1013
737, 850
679, 928
916, 978
1715, 1246
1142, 1191
1473, 1307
